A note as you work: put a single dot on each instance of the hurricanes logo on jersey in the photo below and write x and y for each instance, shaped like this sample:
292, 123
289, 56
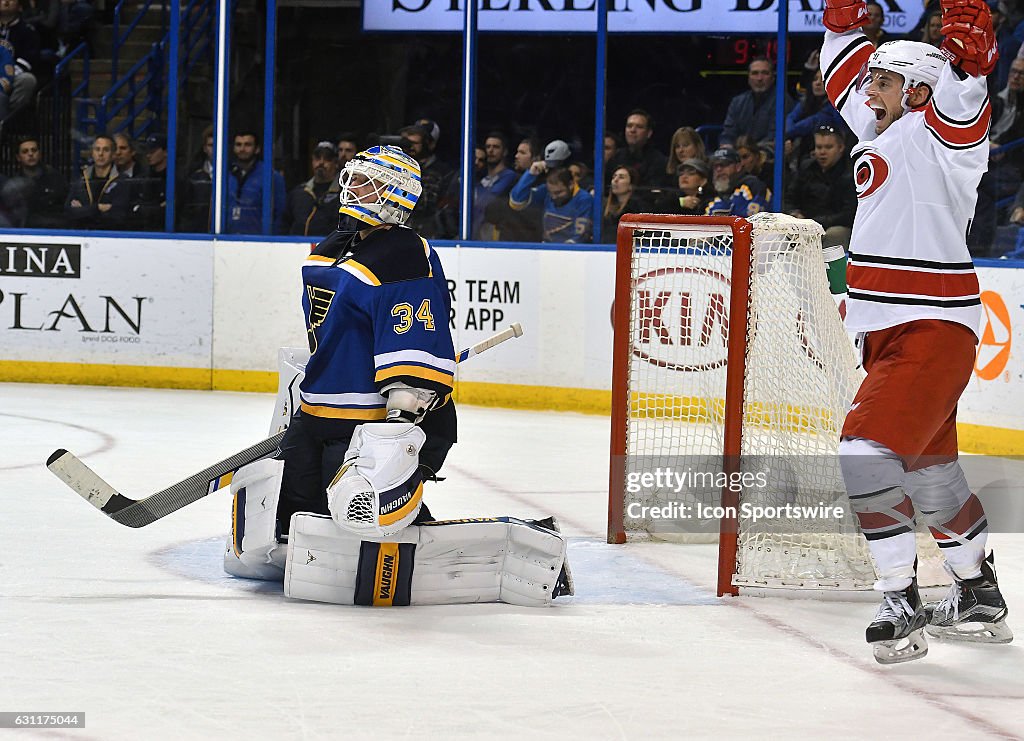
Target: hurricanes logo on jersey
319, 304
870, 172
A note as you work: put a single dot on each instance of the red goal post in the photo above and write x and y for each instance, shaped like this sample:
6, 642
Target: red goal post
705, 416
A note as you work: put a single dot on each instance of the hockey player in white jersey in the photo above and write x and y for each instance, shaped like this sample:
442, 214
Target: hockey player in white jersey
922, 117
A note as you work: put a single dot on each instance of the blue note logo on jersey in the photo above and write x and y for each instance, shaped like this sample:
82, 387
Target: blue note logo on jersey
320, 300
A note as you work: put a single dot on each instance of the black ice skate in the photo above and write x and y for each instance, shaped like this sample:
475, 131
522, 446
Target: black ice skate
974, 610
897, 632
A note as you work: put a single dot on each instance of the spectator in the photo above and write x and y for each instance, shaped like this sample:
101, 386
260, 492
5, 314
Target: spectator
479, 162
527, 153
639, 153
245, 189
686, 144
755, 159
582, 176
824, 191
62, 23
516, 225
932, 31
1007, 105
1006, 20
813, 111
693, 195
348, 145
312, 208
876, 19
435, 212
735, 194
567, 209
752, 113
152, 209
21, 41
612, 145
197, 190
99, 199
133, 176
495, 183
46, 190
621, 199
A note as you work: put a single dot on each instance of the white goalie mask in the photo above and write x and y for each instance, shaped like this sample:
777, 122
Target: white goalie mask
393, 178
916, 62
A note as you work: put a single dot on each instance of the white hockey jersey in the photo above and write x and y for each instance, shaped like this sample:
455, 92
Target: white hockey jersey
917, 188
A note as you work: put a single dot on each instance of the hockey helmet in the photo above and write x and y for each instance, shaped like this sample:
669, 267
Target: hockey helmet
395, 179
916, 62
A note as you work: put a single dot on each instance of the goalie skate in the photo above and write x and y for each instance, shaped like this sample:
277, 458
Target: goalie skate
974, 610
897, 632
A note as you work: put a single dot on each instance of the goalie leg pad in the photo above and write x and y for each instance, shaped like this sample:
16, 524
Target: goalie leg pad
455, 562
252, 550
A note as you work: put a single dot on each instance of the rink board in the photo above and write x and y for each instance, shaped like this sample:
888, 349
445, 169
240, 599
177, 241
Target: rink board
203, 313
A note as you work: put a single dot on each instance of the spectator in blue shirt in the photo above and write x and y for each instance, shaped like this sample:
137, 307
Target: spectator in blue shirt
496, 181
568, 210
245, 189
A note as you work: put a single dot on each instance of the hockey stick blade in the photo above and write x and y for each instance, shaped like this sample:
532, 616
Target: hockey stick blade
139, 513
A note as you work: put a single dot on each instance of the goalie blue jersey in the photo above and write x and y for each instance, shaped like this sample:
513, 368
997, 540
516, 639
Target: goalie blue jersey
376, 313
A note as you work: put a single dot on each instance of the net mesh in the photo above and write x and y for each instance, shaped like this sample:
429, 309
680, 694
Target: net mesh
800, 377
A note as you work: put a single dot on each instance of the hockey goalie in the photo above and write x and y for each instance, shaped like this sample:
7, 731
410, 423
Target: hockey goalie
921, 116
339, 515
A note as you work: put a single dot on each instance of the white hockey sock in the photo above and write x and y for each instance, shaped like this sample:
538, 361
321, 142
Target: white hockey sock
954, 515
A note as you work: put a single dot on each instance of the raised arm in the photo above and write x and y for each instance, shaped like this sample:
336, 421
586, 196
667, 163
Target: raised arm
844, 55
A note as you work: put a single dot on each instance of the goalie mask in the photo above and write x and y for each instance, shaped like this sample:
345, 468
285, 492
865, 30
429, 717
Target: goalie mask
916, 62
380, 186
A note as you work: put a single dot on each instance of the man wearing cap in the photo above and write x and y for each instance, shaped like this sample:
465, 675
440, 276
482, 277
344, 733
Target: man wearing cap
153, 204
312, 208
736, 194
639, 153
694, 192
568, 210
432, 216
824, 189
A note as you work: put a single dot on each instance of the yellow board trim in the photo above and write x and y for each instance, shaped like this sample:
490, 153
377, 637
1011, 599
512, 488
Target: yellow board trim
387, 575
979, 439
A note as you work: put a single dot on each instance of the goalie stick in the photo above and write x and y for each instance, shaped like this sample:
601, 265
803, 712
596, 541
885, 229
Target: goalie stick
141, 512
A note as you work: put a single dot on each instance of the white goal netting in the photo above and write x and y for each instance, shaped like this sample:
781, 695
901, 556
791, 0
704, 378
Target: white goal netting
800, 375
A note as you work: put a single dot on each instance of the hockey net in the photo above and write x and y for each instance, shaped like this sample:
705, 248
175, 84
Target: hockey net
733, 435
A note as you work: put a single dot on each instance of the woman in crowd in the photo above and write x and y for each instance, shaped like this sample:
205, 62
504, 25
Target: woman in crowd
686, 145
694, 192
755, 159
620, 200
811, 112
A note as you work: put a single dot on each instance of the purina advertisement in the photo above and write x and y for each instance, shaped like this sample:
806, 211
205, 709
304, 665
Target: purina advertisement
106, 301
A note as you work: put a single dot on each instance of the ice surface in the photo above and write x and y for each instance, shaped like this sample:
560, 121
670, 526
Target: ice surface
142, 631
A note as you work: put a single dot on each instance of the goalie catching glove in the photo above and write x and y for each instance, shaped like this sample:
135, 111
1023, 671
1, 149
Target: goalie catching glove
378, 491
970, 42
841, 16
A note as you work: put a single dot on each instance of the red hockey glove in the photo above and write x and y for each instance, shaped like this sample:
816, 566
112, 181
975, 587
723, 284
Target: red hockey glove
845, 15
970, 42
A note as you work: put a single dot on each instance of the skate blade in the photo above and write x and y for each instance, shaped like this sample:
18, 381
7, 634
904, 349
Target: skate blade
914, 646
976, 632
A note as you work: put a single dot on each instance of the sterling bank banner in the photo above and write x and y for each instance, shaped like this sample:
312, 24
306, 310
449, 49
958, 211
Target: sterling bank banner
636, 16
